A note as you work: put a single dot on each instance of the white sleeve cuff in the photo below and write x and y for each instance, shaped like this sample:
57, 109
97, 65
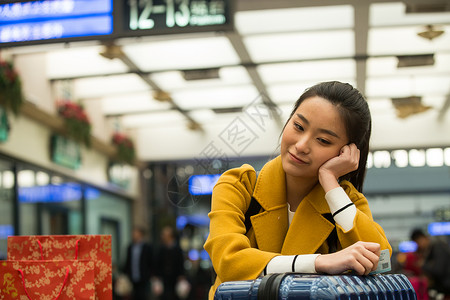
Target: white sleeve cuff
337, 199
305, 263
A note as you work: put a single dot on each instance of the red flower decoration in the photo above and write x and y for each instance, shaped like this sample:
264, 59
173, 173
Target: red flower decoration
125, 147
11, 96
77, 122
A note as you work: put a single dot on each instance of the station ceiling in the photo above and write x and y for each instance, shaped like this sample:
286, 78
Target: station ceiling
396, 52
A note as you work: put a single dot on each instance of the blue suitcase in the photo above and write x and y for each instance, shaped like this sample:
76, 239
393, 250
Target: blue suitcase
323, 287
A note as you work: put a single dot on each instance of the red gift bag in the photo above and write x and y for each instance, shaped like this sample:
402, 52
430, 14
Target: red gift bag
69, 247
47, 280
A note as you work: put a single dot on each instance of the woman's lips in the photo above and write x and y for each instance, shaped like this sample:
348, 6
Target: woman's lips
297, 160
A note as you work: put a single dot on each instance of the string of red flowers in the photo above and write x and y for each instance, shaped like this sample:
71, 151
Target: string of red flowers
76, 120
11, 96
125, 147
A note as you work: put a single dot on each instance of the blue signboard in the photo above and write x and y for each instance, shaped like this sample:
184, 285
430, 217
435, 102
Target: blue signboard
6, 230
407, 246
25, 22
439, 228
55, 19
202, 184
56, 193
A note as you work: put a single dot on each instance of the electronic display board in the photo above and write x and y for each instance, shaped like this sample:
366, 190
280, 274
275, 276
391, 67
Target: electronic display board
26, 22
55, 20
439, 228
202, 184
165, 16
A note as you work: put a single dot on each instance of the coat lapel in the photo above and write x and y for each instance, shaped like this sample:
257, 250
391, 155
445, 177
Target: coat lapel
270, 228
271, 225
309, 228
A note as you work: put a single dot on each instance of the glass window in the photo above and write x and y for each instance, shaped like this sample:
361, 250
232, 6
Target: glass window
52, 204
109, 214
6, 204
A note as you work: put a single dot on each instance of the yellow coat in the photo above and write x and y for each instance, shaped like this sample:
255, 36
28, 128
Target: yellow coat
237, 256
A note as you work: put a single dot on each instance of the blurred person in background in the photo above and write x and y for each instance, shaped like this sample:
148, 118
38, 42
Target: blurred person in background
409, 263
434, 260
139, 264
170, 266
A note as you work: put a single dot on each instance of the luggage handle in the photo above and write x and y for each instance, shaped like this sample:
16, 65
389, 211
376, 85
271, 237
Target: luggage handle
269, 286
60, 291
42, 251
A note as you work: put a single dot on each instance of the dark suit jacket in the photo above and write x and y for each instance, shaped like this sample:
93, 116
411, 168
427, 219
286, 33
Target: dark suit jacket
145, 262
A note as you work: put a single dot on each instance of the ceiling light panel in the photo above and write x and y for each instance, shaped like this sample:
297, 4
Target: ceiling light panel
404, 41
381, 66
294, 19
153, 119
182, 54
174, 80
216, 97
81, 62
405, 86
288, 93
300, 46
108, 85
380, 106
129, 103
384, 106
394, 14
307, 71
285, 111
203, 115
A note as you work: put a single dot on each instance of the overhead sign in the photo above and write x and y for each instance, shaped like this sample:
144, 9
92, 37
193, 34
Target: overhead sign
64, 192
176, 15
55, 20
24, 22
407, 246
439, 228
5, 231
202, 184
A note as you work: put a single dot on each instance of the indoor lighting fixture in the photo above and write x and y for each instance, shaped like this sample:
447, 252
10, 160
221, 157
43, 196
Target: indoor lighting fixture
193, 126
200, 74
408, 106
162, 96
415, 60
227, 110
112, 51
430, 32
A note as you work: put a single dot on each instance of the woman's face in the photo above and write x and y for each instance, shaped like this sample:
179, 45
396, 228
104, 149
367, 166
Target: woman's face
314, 134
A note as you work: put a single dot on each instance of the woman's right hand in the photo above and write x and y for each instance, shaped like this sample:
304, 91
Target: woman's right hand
361, 257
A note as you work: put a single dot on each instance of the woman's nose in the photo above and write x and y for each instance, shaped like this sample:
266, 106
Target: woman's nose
303, 144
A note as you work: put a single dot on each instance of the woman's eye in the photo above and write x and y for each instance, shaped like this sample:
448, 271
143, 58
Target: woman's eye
298, 126
323, 141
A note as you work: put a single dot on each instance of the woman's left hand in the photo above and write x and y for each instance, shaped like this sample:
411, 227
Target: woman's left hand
346, 162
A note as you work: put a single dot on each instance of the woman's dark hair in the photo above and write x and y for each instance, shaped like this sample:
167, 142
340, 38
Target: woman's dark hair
354, 110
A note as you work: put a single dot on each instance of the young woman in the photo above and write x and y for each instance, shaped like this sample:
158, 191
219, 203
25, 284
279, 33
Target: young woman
309, 193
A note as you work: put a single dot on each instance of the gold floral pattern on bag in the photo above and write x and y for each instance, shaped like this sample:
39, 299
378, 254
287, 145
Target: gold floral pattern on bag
48, 280
96, 248
8, 283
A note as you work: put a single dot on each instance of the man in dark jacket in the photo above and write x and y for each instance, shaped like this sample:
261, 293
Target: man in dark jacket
435, 254
138, 266
170, 263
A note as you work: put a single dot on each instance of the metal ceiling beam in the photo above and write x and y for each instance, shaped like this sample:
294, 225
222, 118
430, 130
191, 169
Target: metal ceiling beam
245, 5
238, 45
361, 28
114, 51
444, 108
